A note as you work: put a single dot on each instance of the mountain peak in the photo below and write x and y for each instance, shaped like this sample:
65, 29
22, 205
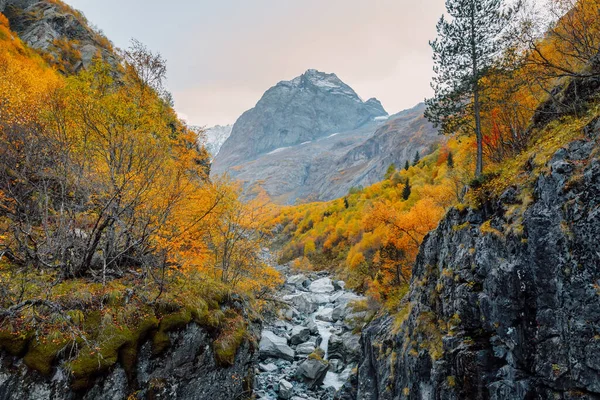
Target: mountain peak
321, 81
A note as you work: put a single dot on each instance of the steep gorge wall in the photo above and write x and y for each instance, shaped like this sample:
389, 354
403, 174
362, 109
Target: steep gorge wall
187, 370
504, 300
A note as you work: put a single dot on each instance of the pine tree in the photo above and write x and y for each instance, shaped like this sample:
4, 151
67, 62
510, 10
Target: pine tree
450, 160
464, 50
417, 158
407, 190
407, 165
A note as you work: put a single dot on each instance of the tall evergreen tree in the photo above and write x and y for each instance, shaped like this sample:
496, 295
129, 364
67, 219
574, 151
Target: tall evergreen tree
466, 47
407, 165
407, 190
417, 158
450, 160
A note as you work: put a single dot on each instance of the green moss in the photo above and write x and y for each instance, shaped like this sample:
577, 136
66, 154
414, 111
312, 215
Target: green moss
230, 339
460, 227
42, 353
14, 343
318, 354
451, 381
168, 323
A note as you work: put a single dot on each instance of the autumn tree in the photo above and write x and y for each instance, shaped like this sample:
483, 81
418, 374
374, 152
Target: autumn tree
390, 171
463, 52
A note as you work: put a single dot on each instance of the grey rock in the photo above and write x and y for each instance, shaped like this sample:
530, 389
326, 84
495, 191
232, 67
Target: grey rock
312, 326
271, 367
297, 280
300, 334
326, 314
274, 346
312, 372
336, 365
339, 285
285, 389
305, 349
51, 22
323, 285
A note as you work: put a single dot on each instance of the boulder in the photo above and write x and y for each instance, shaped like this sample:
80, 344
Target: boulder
312, 371
305, 349
326, 314
338, 313
300, 334
274, 346
323, 285
339, 285
271, 367
336, 365
335, 348
297, 280
312, 326
286, 390
304, 302
352, 351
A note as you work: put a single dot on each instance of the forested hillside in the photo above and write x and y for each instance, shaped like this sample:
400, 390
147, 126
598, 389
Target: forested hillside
537, 97
111, 232
131, 268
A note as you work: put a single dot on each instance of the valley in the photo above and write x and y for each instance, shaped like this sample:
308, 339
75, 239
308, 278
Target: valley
318, 247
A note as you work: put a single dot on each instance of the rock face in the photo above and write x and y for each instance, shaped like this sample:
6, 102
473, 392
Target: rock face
186, 371
505, 300
41, 23
306, 108
314, 138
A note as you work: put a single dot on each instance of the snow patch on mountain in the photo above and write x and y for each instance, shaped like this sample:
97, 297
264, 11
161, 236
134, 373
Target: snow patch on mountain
213, 138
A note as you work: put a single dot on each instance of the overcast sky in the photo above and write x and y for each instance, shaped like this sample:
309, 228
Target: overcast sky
224, 54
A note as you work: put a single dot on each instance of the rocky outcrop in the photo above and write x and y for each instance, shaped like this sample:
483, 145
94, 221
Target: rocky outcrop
60, 31
504, 300
186, 371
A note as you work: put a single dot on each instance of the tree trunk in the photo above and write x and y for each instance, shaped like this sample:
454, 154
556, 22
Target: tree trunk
476, 101
477, 109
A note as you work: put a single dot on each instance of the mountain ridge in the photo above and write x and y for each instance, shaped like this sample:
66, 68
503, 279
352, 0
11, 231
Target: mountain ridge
296, 147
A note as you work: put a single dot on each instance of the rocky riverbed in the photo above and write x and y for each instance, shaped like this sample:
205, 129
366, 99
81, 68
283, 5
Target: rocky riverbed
310, 350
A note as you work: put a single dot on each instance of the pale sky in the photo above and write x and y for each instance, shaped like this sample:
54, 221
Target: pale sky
224, 54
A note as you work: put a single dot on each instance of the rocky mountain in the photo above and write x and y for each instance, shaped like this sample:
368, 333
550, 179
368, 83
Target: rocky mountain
503, 304
314, 138
213, 138
58, 31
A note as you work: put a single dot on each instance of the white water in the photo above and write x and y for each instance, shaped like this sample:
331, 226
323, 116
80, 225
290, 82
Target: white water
326, 329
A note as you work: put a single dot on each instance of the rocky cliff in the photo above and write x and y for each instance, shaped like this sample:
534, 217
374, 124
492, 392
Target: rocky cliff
187, 371
504, 300
314, 138
59, 31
